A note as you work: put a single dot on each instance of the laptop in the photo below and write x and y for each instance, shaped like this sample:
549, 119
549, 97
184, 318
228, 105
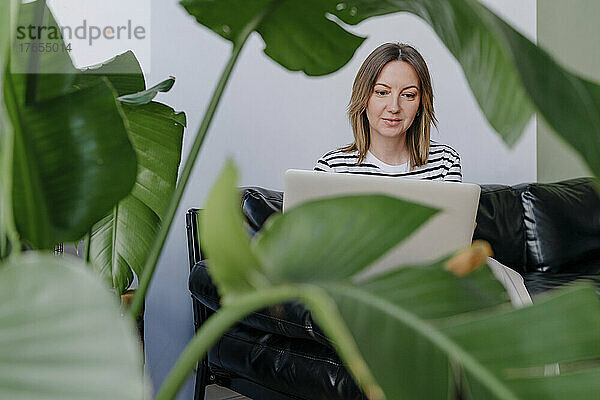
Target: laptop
446, 232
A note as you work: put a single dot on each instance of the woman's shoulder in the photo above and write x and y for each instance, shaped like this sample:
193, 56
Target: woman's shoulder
445, 160
334, 159
339, 155
441, 148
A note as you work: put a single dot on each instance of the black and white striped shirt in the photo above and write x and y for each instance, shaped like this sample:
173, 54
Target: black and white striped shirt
443, 164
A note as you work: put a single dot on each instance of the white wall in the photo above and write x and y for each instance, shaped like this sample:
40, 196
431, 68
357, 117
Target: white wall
270, 120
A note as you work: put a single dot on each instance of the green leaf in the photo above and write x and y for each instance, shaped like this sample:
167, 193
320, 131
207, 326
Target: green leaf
391, 318
156, 132
570, 104
61, 335
522, 346
146, 96
232, 264
123, 71
453, 295
56, 70
297, 35
500, 351
335, 238
122, 241
8, 14
583, 384
72, 162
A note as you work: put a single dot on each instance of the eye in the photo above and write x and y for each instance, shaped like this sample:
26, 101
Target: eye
409, 96
381, 92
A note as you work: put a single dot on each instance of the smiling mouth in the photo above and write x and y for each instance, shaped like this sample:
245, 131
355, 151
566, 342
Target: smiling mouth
391, 121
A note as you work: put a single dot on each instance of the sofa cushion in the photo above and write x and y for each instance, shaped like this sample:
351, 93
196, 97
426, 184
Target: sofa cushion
540, 282
303, 368
500, 222
562, 223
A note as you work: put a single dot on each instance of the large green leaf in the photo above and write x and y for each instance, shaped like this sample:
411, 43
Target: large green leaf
297, 34
8, 14
72, 157
413, 349
146, 96
121, 242
335, 238
528, 348
56, 70
233, 266
391, 317
72, 162
62, 336
570, 104
123, 71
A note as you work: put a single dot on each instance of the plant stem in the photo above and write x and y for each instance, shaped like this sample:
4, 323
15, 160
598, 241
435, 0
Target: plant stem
213, 329
161, 237
8, 230
7, 151
87, 246
159, 242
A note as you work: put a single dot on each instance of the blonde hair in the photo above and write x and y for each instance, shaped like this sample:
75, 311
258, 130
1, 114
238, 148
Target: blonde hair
418, 134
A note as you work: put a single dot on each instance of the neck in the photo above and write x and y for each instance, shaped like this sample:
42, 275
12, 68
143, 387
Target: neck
392, 151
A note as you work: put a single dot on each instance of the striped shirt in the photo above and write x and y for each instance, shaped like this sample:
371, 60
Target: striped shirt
443, 164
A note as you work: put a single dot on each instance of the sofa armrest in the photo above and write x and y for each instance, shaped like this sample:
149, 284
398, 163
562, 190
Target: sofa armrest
289, 319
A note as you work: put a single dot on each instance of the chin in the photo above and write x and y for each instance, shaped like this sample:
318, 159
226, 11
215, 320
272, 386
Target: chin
389, 134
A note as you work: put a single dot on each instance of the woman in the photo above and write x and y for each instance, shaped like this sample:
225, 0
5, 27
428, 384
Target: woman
391, 112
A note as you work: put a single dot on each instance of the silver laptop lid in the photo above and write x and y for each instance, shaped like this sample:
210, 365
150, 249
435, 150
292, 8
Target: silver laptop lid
448, 231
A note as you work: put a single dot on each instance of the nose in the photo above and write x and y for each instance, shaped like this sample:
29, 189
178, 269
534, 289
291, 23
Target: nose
394, 105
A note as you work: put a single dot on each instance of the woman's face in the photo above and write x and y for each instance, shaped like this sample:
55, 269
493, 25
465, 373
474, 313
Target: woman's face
395, 100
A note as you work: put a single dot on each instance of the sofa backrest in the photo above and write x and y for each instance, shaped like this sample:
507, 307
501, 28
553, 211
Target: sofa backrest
500, 222
531, 227
562, 223
542, 227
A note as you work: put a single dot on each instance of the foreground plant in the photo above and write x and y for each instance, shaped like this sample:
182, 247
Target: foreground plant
416, 332
66, 161
110, 175
61, 334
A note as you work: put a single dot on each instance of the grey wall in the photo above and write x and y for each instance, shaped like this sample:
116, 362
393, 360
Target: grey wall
569, 31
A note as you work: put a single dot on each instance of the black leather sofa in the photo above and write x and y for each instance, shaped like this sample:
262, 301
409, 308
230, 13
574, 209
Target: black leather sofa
549, 233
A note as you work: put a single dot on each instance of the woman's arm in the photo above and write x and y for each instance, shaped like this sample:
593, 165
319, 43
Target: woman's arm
322, 165
454, 173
